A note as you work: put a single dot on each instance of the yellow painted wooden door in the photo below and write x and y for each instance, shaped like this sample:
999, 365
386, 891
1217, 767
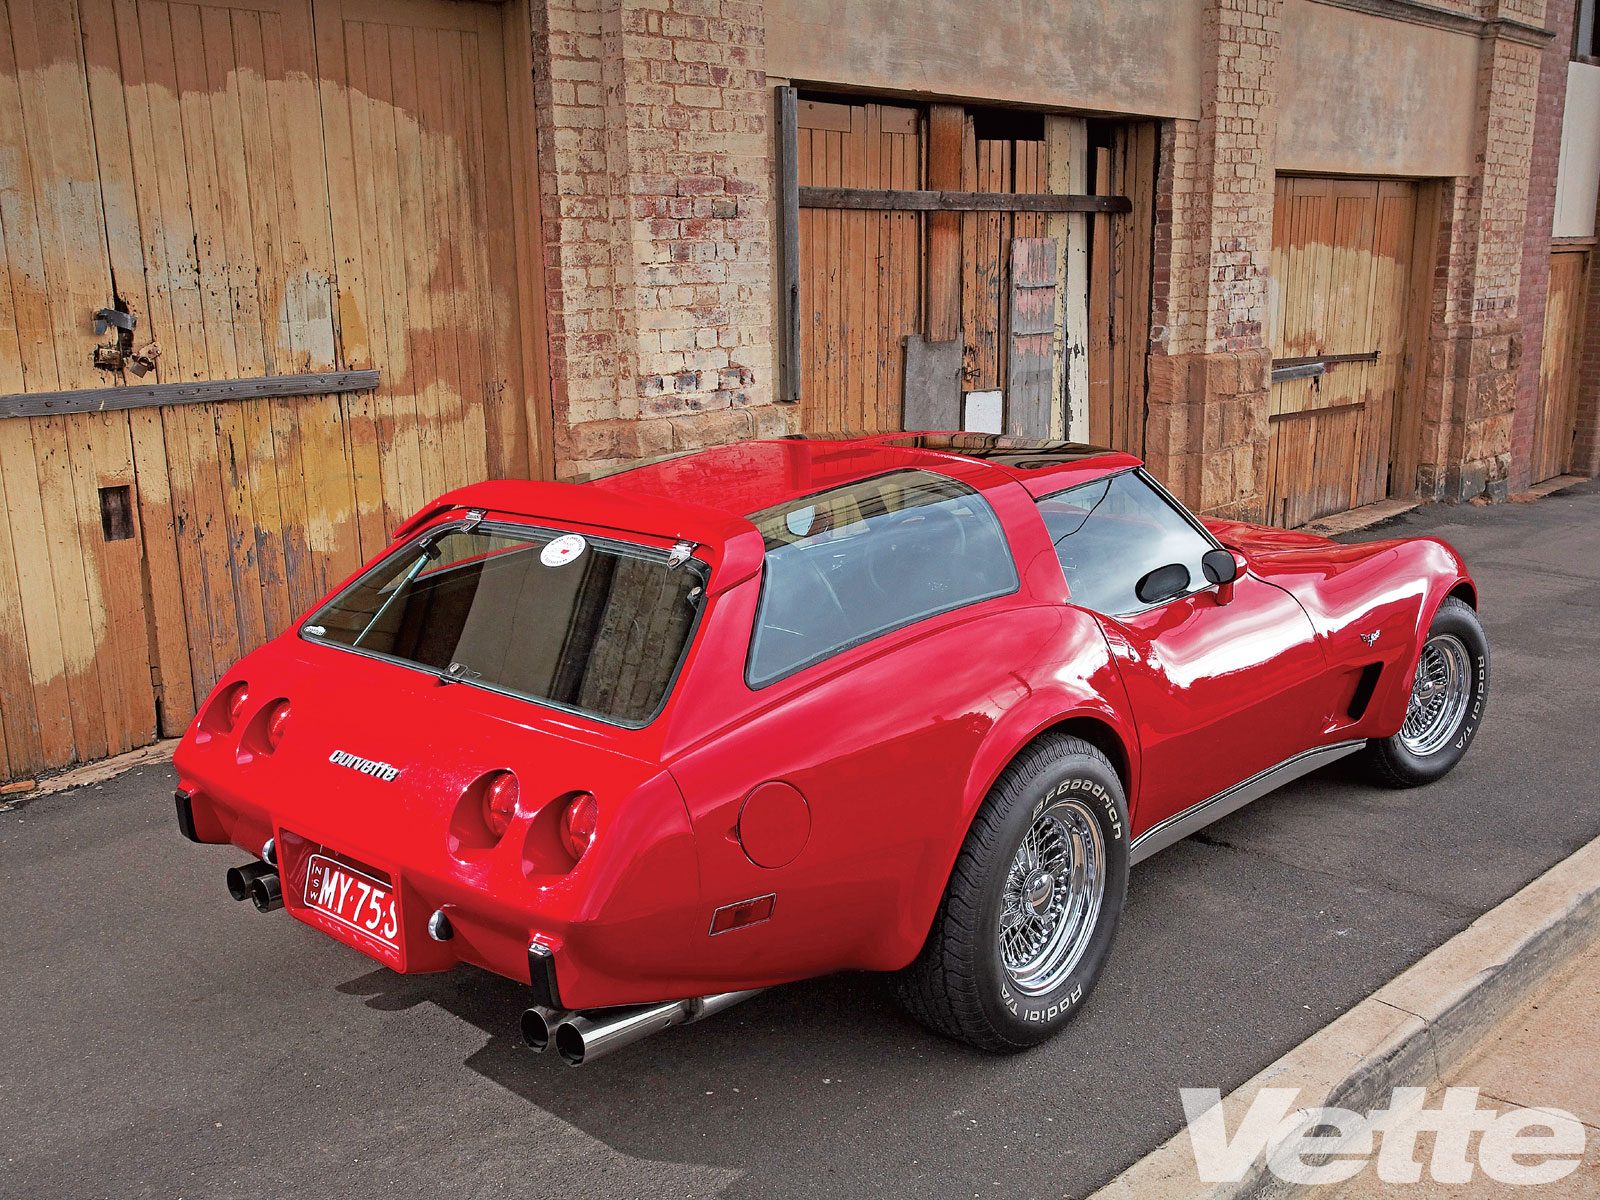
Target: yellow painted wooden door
421, 182
270, 187
74, 653
1556, 416
861, 272
1340, 289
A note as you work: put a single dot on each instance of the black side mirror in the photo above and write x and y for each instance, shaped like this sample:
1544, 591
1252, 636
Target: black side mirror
1219, 566
1163, 584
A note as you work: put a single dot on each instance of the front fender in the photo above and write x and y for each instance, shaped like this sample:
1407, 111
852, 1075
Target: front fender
1442, 571
1371, 603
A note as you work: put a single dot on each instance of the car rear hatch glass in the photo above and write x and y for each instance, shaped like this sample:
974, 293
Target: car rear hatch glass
581, 623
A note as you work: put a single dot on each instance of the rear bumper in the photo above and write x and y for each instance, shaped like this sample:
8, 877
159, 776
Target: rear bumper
572, 947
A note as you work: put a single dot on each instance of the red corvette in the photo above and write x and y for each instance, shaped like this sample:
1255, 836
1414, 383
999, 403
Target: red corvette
909, 703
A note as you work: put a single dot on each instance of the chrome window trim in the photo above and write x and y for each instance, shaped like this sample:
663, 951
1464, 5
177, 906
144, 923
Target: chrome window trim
467, 524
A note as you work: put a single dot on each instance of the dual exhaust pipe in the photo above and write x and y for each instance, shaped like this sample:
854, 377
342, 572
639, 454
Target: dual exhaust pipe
258, 883
584, 1037
578, 1037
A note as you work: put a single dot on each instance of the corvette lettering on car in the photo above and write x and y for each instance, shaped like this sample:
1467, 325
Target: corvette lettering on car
910, 703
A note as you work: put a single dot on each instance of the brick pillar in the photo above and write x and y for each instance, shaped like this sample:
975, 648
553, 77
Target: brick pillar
1210, 368
1535, 286
1476, 343
656, 181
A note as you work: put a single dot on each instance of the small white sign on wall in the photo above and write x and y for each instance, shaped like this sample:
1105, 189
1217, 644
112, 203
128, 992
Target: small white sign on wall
982, 412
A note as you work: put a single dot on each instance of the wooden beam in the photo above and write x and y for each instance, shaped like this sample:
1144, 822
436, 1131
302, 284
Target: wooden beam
889, 200
1327, 360
205, 391
1348, 406
946, 130
788, 167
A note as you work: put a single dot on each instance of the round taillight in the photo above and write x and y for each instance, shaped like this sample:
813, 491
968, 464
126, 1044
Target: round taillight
500, 802
578, 821
276, 724
236, 703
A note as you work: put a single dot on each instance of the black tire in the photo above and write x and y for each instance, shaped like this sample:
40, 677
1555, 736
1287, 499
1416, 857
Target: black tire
959, 985
1392, 761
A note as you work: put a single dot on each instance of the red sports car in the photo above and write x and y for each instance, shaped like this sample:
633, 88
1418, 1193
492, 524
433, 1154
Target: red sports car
909, 703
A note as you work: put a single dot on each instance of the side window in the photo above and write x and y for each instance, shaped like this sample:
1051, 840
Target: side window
848, 564
1110, 533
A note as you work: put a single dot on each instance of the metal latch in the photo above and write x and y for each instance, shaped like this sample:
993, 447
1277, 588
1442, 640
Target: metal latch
681, 553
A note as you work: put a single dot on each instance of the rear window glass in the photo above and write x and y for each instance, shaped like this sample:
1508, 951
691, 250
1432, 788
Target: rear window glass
599, 627
846, 565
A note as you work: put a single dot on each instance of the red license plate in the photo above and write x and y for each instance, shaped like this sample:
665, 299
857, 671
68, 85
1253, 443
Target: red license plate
352, 899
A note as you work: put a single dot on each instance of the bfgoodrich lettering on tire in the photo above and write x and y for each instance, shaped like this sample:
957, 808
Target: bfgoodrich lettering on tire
1446, 703
1031, 909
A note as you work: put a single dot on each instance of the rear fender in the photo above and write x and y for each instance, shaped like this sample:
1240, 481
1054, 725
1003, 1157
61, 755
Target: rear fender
1089, 689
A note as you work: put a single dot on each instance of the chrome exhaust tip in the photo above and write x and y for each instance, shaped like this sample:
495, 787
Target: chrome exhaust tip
584, 1037
539, 1025
240, 878
266, 893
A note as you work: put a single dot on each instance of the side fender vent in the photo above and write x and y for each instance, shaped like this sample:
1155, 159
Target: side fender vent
1366, 685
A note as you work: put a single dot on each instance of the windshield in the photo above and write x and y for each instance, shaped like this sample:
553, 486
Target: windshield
596, 626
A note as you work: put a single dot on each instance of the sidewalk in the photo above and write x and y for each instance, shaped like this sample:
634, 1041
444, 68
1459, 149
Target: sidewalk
1544, 1054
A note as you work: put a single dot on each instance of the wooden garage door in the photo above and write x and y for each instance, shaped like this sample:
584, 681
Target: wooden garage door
861, 273
1557, 414
1340, 297
271, 187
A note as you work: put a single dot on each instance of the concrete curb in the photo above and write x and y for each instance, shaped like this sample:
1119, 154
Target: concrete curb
1410, 1032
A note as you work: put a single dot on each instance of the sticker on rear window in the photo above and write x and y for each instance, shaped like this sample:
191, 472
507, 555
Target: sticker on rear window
563, 550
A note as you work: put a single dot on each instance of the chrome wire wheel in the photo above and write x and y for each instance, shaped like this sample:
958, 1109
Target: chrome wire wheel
1052, 897
1439, 695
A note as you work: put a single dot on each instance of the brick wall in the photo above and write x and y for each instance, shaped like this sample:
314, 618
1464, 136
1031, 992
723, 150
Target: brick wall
1535, 286
1476, 341
1207, 427
656, 181
656, 178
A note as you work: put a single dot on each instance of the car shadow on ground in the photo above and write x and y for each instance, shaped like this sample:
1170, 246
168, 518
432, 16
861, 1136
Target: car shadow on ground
745, 1088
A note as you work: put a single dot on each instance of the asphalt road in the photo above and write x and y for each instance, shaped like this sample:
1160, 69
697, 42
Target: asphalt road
157, 1039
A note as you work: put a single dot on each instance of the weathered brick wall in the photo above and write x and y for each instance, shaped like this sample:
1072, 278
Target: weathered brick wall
1207, 426
1535, 286
1476, 340
656, 178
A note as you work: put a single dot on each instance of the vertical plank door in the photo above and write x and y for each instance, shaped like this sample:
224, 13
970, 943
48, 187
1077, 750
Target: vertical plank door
861, 272
74, 649
219, 240
1340, 285
425, 167
1557, 414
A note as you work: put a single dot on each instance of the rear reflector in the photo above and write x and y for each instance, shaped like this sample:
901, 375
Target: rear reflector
578, 822
500, 803
236, 703
745, 912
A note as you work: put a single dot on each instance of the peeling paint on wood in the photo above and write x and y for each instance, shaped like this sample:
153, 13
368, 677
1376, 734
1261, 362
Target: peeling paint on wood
291, 206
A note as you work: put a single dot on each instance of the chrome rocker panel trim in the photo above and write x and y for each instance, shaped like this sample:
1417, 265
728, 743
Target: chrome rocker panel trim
1197, 816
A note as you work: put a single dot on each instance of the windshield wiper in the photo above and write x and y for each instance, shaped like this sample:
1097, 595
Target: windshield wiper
428, 552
